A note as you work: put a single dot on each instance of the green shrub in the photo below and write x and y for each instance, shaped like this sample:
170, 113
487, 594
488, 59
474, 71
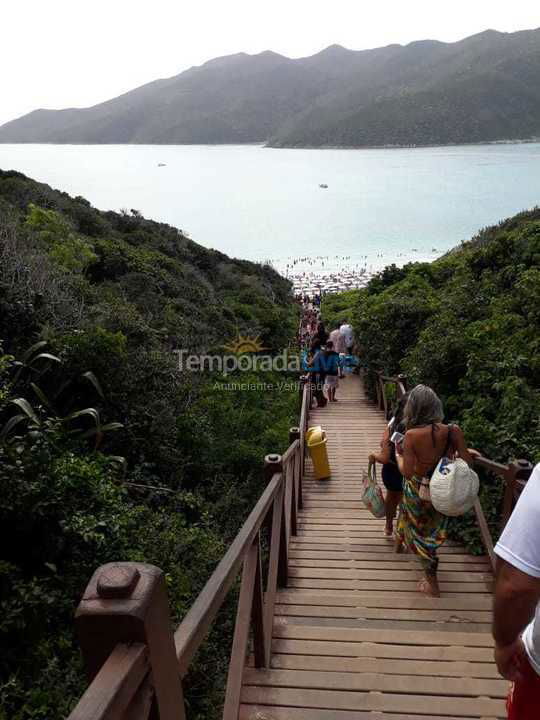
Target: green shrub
468, 325
115, 295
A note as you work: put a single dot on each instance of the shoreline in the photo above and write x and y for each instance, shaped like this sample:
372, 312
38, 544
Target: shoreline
266, 146
418, 146
314, 280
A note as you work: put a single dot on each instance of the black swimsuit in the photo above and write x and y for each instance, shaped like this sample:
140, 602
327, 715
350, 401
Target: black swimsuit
391, 475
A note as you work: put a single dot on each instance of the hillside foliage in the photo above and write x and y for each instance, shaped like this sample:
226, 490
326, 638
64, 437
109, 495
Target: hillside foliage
468, 325
108, 451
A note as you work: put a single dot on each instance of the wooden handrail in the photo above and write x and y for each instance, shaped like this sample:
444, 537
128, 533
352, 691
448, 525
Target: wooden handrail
197, 622
400, 382
135, 676
485, 534
115, 686
502, 471
514, 476
193, 629
136, 666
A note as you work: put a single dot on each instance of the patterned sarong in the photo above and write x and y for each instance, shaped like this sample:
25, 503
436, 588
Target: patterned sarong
421, 528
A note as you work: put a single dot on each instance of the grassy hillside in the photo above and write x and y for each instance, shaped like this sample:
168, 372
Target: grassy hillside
107, 450
483, 88
468, 325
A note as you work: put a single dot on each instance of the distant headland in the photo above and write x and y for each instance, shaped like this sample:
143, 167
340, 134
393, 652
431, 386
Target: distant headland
485, 88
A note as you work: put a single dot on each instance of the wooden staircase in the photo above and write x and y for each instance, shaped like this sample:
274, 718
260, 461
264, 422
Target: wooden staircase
330, 624
352, 637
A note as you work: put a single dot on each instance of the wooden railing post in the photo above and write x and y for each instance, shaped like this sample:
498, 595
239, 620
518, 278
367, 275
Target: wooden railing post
401, 385
296, 501
249, 612
384, 401
304, 419
301, 383
127, 603
278, 559
378, 390
519, 472
273, 464
484, 532
524, 470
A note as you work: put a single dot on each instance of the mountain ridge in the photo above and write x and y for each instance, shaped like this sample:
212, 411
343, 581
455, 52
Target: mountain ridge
484, 88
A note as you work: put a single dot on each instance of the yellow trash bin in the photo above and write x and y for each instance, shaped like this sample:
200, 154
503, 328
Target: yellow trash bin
316, 442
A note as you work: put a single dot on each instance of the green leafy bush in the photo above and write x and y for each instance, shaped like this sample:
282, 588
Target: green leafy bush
114, 295
468, 325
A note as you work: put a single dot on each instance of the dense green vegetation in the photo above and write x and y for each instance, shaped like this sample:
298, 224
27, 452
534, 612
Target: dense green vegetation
480, 89
107, 450
468, 325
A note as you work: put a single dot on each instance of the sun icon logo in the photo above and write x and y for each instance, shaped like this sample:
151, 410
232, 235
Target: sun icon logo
242, 345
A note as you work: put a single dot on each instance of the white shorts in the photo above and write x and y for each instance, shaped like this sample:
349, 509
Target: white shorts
332, 381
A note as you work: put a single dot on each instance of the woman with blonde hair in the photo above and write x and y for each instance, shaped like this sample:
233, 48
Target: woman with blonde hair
422, 529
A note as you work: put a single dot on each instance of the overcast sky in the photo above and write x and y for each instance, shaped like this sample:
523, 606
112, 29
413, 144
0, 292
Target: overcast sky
75, 53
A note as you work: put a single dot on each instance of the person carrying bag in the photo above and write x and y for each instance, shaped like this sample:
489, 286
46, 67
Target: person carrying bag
422, 529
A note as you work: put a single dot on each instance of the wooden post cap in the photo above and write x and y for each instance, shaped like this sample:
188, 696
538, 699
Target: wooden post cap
117, 581
272, 465
524, 469
126, 602
294, 434
523, 472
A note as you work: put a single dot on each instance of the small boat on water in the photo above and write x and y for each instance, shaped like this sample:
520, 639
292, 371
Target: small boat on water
162, 164
323, 185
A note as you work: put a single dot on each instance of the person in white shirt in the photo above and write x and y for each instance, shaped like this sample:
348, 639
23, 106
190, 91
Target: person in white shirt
347, 332
516, 623
338, 341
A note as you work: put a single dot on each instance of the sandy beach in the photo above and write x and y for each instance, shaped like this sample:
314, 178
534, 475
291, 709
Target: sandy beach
338, 273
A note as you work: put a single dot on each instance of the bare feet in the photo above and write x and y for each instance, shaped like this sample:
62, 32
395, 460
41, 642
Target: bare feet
389, 530
429, 586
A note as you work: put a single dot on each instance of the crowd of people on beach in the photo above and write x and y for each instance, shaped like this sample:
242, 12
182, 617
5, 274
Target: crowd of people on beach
338, 273
413, 444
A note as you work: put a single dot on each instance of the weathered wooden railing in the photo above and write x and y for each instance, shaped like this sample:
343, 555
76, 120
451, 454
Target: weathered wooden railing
399, 385
514, 475
135, 664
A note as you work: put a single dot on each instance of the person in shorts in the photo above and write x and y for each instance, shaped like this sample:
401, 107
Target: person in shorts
317, 370
516, 616
331, 364
348, 338
338, 341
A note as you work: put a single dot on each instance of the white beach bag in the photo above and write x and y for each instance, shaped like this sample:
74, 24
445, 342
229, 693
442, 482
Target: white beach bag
454, 487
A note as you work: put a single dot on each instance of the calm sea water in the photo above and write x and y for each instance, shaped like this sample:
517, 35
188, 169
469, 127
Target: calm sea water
258, 203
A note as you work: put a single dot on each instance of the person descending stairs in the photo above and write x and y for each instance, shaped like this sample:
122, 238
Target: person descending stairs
353, 639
